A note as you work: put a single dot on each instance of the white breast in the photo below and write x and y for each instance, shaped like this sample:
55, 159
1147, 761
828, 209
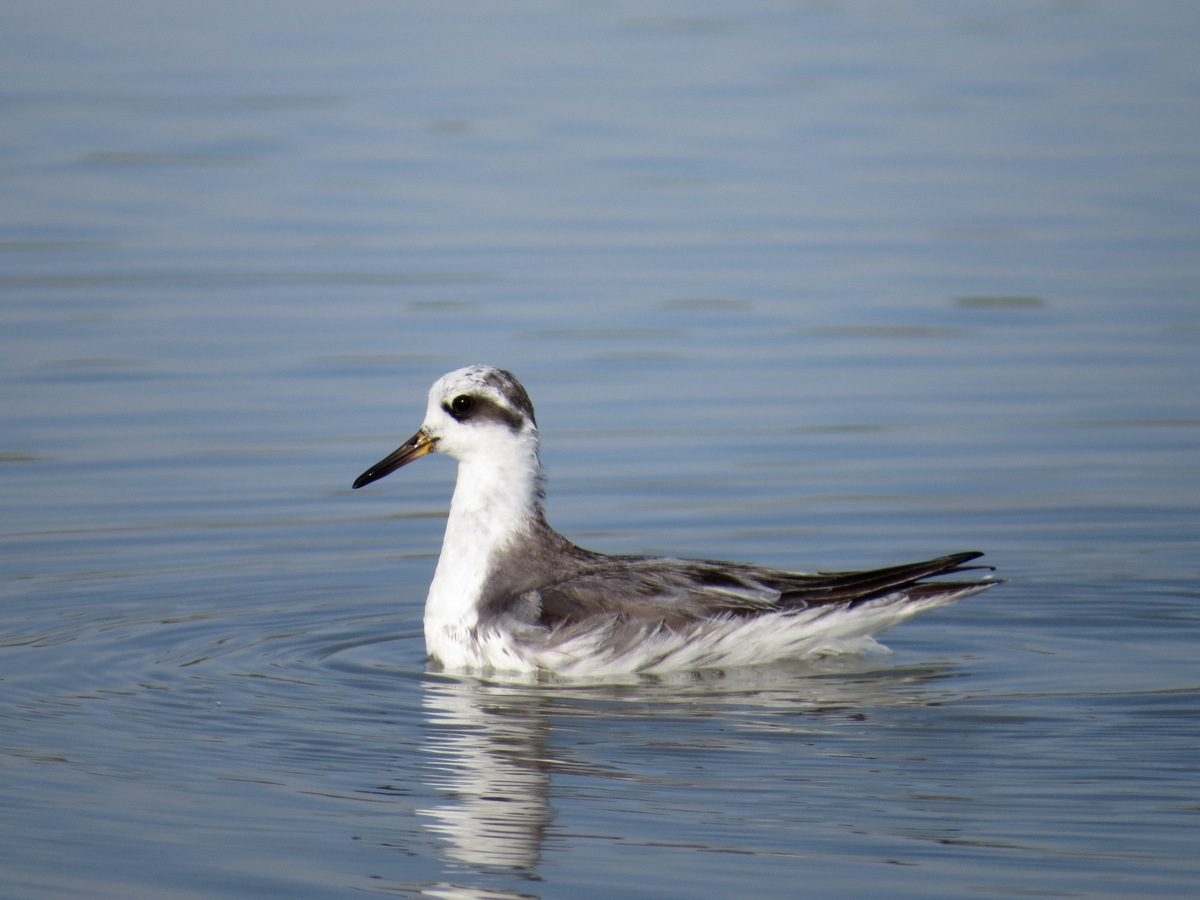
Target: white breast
495, 499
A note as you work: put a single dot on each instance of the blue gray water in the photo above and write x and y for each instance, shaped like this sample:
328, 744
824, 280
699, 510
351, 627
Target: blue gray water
816, 285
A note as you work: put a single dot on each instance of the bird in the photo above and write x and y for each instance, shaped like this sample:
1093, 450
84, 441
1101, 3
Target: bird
511, 594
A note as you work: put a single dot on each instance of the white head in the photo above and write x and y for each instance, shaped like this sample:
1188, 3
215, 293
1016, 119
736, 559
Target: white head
476, 414
482, 417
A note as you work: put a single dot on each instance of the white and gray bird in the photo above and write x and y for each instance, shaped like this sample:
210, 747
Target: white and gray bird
512, 594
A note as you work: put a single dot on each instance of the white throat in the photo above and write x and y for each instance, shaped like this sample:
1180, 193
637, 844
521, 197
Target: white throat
495, 498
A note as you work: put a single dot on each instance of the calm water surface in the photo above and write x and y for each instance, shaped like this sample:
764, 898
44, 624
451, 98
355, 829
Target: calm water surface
821, 285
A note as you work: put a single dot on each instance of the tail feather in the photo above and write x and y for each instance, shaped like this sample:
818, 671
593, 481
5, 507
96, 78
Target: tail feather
854, 588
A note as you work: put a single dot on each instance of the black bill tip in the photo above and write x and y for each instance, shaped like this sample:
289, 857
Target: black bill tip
414, 448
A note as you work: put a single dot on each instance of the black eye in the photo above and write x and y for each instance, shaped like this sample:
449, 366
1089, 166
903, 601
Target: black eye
462, 404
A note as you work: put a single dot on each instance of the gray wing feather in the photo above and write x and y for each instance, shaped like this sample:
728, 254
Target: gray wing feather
677, 591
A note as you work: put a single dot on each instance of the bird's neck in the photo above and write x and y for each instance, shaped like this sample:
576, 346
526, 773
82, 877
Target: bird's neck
496, 499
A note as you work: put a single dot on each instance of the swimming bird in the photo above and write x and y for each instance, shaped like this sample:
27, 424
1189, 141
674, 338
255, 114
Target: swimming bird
511, 594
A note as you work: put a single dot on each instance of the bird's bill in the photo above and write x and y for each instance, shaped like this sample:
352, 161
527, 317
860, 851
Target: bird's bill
414, 448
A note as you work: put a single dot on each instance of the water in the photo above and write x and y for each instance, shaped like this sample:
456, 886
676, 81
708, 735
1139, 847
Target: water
813, 285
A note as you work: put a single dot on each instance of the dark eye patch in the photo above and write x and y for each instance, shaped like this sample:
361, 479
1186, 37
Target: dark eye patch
466, 407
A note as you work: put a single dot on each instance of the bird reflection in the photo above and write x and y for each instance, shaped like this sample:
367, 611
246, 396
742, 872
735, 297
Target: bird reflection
489, 762
466, 892
491, 756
